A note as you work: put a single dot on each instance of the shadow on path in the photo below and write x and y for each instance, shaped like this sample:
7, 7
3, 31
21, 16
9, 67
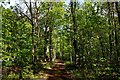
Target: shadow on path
57, 72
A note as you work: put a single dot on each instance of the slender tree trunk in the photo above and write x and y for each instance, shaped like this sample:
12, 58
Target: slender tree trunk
33, 31
110, 34
60, 46
50, 49
20, 75
118, 12
115, 32
45, 42
62, 51
50, 33
73, 8
100, 37
37, 29
102, 47
116, 36
47, 36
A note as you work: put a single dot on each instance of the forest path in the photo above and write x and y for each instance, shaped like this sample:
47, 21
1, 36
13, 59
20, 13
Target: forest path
57, 72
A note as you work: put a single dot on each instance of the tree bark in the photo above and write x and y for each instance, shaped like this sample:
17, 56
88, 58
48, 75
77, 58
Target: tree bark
110, 35
50, 33
118, 12
73, 8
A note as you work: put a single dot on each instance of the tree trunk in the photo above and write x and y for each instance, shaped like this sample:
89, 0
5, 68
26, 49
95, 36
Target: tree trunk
110, 34
118, 12
50, 49
102, 47
116, 37
45, 42
73, 8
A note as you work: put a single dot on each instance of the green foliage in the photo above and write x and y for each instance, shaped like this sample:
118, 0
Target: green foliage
84, 33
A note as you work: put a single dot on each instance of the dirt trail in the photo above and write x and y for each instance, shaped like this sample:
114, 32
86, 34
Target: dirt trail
57, 72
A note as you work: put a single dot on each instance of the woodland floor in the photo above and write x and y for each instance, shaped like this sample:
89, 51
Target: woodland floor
57, 72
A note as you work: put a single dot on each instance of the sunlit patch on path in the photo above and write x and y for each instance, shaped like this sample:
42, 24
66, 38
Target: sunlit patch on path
57, 72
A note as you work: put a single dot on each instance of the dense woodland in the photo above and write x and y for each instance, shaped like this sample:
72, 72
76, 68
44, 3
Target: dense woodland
84, 36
